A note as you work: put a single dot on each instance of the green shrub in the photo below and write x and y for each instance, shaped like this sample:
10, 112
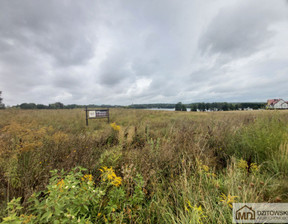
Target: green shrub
76, 198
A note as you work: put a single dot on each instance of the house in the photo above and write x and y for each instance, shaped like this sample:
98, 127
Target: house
277, 104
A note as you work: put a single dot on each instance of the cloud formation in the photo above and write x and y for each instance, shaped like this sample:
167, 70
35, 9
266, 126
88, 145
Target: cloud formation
112, 52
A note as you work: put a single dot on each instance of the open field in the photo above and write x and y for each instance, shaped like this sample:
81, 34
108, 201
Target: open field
147, 167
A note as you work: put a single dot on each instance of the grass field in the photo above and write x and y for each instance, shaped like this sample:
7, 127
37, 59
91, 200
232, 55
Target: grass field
143, 167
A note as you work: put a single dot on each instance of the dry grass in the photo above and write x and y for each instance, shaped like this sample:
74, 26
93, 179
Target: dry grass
169, 149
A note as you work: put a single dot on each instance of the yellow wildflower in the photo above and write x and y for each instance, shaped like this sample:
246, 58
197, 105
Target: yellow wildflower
229, 199
198, 210
117, 181
242, 164
189, 204
26, 218
87, 177
115, 126
61, 184
254, 167
109, 174
205, 168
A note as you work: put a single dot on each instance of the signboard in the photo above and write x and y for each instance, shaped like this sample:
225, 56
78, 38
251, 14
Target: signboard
93, 114
102, 113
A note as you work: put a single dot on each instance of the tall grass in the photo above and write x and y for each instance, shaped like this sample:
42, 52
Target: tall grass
260, 140
193, 165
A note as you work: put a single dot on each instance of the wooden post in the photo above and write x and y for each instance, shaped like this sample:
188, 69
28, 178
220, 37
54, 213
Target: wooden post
86, 110
108, 116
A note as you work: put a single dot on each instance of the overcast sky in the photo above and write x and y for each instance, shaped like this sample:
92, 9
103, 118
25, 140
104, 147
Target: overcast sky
127, 51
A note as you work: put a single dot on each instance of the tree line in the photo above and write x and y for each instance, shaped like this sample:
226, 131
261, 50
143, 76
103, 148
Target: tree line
224, 106
152, 105
59, 105
201, 106
217, 106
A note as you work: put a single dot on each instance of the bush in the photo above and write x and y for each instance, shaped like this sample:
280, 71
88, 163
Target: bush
76, 198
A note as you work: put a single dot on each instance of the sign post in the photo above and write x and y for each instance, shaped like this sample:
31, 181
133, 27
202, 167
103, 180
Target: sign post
86, 111
95, 114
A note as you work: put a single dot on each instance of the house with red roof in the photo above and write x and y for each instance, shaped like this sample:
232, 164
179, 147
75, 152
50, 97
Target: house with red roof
277, 104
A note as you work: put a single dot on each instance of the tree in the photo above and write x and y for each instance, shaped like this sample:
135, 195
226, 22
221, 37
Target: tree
193, 107
201, 106
225, 106
28, 106
180, 107
56, 105
41, 106
183, 108
2, 106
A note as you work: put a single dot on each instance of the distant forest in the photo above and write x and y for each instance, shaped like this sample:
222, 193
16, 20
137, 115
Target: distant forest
59, 105
205, 106
226, 106
217, 106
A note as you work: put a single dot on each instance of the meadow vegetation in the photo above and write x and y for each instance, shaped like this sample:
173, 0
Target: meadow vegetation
143, 167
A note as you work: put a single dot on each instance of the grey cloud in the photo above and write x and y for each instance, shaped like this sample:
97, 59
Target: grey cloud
115, 69
241, 29
112, 78
67, 81
67, 49
116, 52
59, 29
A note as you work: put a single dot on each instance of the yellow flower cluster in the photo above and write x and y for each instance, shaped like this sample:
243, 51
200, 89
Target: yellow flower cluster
26, 218
109, 174
205, 168
242, 164
115, 126
61, 184
228, 200
87, 177
254, 167
198, 210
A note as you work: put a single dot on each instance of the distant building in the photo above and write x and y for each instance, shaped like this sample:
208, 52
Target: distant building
277, 104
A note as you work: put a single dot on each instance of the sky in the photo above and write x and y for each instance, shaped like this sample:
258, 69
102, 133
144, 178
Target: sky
121, 52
